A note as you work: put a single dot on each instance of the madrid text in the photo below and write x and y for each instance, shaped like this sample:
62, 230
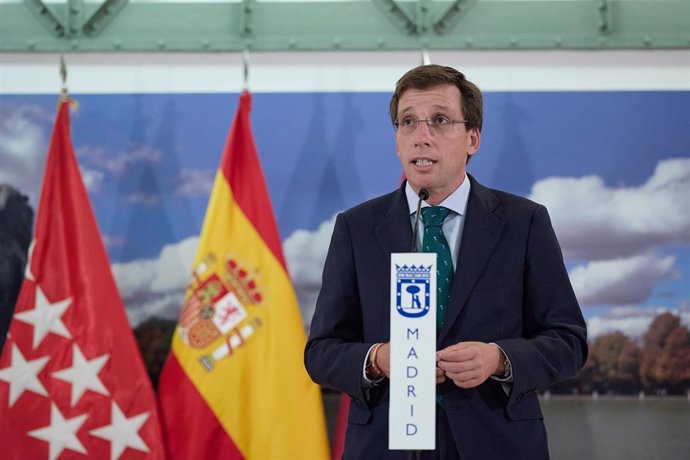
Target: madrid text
411, 373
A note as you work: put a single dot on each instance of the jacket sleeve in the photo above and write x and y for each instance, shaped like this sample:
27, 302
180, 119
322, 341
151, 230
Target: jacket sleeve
553, 346
335, 351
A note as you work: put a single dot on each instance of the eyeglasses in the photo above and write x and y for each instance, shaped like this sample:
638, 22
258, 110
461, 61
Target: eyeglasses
439, 125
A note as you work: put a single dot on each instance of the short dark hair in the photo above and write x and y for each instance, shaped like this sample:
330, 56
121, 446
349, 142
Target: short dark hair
428, 76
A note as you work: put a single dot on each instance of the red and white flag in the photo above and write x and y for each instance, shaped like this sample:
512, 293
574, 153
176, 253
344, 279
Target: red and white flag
72, 381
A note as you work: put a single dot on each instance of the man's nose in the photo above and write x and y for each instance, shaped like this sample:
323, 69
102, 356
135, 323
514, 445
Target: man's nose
423, 132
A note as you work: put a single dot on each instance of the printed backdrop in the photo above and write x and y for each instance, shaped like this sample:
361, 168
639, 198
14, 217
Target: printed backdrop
613, 168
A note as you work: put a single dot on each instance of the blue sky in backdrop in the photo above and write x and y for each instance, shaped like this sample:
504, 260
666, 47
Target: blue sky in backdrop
613, 168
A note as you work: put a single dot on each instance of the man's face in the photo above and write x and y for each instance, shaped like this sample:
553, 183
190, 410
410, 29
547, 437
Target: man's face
434, 158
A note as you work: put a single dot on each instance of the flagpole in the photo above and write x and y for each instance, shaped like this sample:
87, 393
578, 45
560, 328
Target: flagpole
426, 59
245, 69
63, 78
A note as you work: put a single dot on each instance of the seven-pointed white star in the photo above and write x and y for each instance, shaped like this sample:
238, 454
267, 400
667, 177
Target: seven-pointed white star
122, 432
22, 375
45, 317
27, 271
83, 375
61, 434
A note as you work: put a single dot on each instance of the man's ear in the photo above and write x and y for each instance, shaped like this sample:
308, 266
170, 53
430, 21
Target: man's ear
474, 138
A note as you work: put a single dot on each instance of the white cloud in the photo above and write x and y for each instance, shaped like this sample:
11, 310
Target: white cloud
621, 281
121, 162
155, 287
113, 241
166, 305
632, 326
93, 180
24, 132
305, 254
143, 198
193, 183
631, 320
174, 266
24, 135
594, 221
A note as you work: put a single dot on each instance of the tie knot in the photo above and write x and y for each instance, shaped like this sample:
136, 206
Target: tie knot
433, 216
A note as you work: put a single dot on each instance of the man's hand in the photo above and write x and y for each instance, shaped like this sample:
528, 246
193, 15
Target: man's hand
440, 375
469, 364
383, 359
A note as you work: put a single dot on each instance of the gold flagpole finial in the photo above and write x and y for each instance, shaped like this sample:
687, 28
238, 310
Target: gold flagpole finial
245, 67
426, 59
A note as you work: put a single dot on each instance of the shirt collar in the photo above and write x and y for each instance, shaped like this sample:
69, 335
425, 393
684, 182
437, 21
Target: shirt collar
456, 201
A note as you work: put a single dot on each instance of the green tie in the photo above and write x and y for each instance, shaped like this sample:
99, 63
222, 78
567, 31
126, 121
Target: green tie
435, 241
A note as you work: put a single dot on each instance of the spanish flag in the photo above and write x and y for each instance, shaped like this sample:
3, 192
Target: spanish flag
234, 385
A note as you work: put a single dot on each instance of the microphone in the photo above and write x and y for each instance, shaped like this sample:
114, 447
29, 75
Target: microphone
423, 195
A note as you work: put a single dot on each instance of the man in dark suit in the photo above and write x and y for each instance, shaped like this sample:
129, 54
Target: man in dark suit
511, 324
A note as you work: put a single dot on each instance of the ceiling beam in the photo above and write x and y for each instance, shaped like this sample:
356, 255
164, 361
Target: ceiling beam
119, 25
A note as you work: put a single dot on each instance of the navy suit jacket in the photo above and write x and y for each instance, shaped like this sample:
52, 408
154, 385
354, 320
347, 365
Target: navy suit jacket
510, 287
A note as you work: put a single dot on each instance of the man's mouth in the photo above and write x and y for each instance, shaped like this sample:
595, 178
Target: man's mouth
423, 162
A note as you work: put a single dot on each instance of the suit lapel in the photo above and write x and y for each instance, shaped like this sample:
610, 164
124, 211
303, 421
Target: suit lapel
393, 229
481, 233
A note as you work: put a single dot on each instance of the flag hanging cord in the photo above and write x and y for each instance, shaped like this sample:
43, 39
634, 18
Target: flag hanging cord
63, 77
245, 66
